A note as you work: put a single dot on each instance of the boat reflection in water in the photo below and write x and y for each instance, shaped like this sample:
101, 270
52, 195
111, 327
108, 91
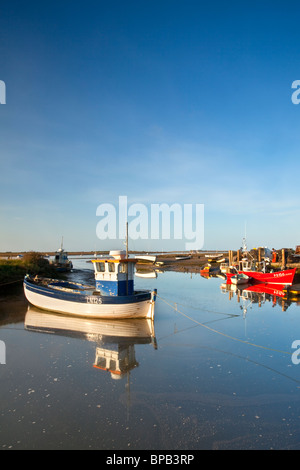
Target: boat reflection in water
115, 338
259, 294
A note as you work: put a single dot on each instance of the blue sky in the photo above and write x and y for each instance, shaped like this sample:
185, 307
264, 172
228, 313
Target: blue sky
161, 101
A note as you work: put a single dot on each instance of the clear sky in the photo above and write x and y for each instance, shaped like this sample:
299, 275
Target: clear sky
160, 101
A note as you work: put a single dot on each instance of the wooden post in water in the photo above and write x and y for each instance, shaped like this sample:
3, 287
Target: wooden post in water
283, 259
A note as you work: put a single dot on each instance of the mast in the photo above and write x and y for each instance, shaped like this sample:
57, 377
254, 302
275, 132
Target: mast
244, 247
127, 258
126, 240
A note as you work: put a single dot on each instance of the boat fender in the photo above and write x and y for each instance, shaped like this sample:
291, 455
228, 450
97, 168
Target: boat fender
154, 294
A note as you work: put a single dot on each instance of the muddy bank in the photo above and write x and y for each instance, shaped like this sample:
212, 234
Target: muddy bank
181, 263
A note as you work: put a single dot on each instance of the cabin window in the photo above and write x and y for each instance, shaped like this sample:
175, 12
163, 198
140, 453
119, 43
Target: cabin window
111, 267
122, 268
100, 267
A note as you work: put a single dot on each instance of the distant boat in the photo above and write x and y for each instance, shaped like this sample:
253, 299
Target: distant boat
205, 270
145, 258
276, 277
146, 274
112, 297
208, 271
61, 261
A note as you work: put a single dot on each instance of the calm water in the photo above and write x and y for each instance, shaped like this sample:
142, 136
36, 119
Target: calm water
218, 374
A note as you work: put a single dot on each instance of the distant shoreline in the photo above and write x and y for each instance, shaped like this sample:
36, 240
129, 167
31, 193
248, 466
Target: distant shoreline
105, 252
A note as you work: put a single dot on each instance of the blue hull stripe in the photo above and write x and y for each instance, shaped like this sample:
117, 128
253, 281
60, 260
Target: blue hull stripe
84, 298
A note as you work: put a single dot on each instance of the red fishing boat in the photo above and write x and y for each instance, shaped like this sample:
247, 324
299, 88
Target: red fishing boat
284, 277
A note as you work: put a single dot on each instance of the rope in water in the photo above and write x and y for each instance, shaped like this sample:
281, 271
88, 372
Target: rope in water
220, 332
11, 282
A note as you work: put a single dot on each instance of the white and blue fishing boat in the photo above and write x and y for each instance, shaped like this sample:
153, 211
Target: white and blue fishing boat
112, 296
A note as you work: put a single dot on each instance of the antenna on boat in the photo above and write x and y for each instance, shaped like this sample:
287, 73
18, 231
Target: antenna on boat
244, 247
126, 240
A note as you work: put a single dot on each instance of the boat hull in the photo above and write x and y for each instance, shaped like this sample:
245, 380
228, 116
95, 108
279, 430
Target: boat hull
139, 305
285, 277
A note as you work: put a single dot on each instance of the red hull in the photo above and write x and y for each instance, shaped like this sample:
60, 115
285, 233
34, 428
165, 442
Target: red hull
280, 277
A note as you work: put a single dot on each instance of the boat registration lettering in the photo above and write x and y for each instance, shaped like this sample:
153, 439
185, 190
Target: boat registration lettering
93, 300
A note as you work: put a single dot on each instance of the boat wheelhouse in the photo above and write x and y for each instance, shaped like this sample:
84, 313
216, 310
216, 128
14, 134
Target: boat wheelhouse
114, 276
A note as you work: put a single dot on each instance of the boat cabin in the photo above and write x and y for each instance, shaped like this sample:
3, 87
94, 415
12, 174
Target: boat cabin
246, 265
114, 275
61, 261
61, 257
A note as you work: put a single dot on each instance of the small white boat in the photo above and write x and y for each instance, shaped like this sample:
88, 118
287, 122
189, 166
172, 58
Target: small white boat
146, 274
112, 297
239, 279
145, 258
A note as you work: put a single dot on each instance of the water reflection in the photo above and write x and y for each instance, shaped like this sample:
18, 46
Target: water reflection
259, 294
209, 385
116, 339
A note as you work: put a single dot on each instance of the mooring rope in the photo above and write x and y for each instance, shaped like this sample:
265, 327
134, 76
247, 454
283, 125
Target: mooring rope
11, 282
220, 332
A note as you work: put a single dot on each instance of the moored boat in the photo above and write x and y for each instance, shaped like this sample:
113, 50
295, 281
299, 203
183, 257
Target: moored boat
285, 277
206, 270
112, 296
61, 261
